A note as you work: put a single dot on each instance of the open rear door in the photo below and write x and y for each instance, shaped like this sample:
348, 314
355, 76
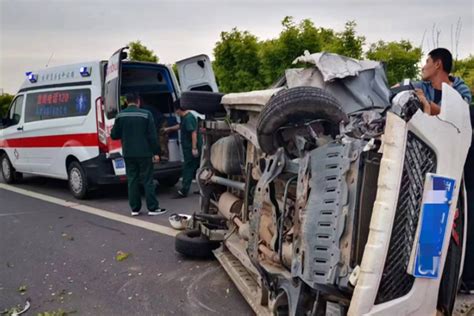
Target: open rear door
196, 74
112, 97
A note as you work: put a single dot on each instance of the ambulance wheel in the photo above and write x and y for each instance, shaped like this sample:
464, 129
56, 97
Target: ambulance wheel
8, 172
77, 180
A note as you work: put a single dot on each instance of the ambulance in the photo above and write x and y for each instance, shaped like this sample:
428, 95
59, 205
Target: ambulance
58, 125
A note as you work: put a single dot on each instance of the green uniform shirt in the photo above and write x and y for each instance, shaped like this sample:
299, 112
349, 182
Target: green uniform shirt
189, 124
136, 129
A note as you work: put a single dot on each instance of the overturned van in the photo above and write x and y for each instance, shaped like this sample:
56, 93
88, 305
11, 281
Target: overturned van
59, 123
328, 195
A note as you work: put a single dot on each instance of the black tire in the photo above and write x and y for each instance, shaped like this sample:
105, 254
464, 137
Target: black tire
169, 181
293, 106
192, 244
450, 280
77, 180
9, 173
202, 101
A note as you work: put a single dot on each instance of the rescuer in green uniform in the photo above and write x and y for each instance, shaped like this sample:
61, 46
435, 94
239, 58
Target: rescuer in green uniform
136, 130
191, 143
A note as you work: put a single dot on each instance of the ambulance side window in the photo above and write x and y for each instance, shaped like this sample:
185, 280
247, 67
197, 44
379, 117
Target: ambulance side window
56, 104
14, 115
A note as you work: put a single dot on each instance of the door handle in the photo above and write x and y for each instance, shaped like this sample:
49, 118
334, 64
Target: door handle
20, 128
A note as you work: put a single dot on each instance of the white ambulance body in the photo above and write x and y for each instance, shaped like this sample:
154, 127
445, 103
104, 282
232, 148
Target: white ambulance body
59, 123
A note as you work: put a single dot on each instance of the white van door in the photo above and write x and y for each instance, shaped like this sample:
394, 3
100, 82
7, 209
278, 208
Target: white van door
111, 108
12, 139
196, 74
112, 98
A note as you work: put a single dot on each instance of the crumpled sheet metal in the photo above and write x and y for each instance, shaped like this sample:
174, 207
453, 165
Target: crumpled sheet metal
334, 66
357, 85
258, 97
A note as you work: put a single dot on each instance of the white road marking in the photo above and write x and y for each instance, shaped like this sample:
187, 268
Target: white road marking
14, 214
93, 210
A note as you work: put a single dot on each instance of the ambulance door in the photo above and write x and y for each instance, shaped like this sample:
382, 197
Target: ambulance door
12, 140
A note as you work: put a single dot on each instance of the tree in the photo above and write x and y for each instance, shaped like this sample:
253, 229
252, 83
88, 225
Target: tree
346, 43
464, 68
5, 101
277, 54
140, 52
236, 63
401, 59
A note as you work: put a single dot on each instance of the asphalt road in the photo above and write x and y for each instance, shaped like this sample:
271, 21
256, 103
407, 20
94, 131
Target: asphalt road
61, 258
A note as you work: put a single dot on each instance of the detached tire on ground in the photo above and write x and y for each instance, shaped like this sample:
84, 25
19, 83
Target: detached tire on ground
202, 101
9, 173
295, 106
191, 243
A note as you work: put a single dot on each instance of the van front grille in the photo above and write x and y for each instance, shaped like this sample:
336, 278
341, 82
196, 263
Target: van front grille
419, 160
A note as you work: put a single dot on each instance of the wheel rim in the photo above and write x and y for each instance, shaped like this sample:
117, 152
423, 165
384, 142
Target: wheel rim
6, 168
75, 180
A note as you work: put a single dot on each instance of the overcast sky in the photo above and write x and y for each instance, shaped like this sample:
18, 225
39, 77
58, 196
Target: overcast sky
79, 30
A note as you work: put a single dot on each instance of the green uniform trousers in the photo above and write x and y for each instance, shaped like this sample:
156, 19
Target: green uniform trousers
191, 164
140, 170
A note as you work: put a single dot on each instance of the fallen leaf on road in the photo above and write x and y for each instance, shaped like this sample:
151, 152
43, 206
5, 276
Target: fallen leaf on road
121, 256
22, 289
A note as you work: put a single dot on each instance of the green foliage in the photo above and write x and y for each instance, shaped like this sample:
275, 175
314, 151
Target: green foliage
401, 59
464, 68
140, 52
243, 63
236, 64
175, 70
277, 54
346, 43
5, 101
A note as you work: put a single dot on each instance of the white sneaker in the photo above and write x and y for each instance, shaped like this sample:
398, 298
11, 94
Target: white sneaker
158, 211
135, 213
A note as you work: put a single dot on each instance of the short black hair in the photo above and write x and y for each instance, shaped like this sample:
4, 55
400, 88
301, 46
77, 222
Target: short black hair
445, 56
132, 97
177, 105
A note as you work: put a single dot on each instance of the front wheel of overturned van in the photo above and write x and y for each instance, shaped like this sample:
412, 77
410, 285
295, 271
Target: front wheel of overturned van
77, 180
9, 173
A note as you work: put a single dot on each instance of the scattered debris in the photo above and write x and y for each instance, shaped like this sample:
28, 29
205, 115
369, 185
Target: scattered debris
121, 256
58, 312
67, 237
21, 311
10, 311
22, 289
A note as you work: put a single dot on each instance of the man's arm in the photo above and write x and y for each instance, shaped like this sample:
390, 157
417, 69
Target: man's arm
173, 128
429, 107
194, 144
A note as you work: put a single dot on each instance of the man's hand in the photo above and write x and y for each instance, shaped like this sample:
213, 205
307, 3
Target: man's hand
156, 158
195, 153
426, 104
